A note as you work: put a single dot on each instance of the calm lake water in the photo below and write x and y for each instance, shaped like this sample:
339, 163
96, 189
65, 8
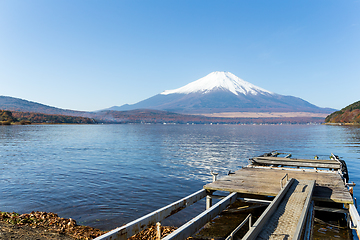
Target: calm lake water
107, 175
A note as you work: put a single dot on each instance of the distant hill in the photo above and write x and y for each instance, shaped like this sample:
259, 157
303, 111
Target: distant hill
31, 117
9, 118
21, 105
222, 92
34, 112
347, 115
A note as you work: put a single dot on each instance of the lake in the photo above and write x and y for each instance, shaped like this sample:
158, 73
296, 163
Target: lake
107, 175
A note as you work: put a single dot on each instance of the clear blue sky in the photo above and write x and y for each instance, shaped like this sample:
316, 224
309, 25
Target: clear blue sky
91, 55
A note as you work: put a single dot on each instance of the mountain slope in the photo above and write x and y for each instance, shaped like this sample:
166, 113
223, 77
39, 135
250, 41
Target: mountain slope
222, 92
21, 105
349, 114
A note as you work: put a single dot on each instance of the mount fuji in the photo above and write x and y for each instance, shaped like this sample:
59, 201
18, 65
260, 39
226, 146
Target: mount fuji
220, 92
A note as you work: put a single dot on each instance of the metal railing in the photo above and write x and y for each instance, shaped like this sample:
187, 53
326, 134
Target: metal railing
132, 228
248, 218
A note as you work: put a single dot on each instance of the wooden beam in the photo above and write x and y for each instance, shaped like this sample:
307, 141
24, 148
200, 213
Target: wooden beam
132, 228
198, 222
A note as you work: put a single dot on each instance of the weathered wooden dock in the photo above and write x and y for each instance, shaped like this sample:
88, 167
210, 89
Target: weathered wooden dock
258, 180
295, 185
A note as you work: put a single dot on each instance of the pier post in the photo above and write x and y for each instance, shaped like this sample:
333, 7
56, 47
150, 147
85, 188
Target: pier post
209, 193
214, 175
209, 199
158, 231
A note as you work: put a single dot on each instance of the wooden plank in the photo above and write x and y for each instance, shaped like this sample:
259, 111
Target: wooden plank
297, 160
299, 164
331, 164
132, 228
198, 222
258, 225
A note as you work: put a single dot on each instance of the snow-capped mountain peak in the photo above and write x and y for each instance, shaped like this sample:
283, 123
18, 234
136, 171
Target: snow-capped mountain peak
220, 92
219, 81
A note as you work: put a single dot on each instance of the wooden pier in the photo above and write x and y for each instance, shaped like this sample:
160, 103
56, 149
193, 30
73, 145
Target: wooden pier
264, 181
295, 185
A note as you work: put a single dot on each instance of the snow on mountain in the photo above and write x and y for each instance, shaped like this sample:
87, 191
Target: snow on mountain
219, 81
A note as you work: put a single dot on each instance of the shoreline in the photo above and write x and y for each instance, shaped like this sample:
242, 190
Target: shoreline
343, 124
48, 225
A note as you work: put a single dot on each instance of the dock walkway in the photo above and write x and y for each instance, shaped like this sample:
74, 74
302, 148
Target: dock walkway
285, 217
